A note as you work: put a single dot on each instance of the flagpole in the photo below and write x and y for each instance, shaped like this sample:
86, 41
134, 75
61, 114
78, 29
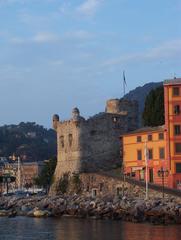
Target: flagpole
146, 174
124, 88
124, 83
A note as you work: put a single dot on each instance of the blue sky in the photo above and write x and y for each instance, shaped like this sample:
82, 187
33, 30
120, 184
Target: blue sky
58, 54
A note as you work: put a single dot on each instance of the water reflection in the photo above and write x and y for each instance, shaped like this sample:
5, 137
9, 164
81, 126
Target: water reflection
75, 229
150, 232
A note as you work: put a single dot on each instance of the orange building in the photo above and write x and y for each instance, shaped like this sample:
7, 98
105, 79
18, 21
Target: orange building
161, 145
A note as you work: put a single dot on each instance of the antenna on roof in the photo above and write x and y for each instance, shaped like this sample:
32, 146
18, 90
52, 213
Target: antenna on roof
175, 76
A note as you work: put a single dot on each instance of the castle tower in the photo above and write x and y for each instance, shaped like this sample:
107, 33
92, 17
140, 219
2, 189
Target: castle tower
55, 120
113, 106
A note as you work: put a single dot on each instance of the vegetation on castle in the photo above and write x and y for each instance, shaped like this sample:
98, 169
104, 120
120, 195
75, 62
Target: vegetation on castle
28, 140
69, 183
153, 114
63, 184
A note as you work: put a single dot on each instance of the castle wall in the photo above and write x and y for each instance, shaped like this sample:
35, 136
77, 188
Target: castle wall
99, 140
93, 145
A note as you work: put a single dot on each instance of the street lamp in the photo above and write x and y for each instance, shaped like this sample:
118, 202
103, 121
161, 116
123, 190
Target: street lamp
163, 173
146, 169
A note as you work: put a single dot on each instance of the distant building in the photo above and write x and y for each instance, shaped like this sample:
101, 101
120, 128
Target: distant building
25, 177
161, 146
30, 170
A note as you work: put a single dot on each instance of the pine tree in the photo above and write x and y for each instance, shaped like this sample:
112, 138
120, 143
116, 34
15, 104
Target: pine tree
153, 114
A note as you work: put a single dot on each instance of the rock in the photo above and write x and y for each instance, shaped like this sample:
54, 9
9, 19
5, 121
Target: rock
30, 213
12, 214
4, 213
41, 213
25, 208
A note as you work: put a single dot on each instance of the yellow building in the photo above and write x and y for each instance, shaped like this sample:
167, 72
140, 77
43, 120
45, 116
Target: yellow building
141, 145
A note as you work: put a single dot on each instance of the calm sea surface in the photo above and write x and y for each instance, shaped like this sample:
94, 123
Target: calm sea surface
73, 229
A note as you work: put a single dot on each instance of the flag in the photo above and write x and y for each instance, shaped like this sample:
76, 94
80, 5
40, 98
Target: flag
124, 78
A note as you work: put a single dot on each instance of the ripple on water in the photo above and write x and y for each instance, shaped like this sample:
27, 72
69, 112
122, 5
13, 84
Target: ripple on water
22, 228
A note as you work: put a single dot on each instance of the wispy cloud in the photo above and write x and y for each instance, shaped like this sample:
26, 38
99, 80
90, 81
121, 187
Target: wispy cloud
42, 37
45, 37
64, 8
78, 34
89, 7
166, 50
17, 40
58, 62
48, 37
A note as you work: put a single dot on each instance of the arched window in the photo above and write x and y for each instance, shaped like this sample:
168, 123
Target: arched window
70, 139
62, 141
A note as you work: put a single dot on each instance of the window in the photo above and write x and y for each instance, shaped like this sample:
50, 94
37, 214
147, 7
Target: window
101, 185
150, 154
115, 119
94, 192
178, 167
176, 91
70, 138
139, 155
149, 137
162, 153
92, 132
178, 148
177, 109
161, 136
118, 191
142, 175
138, 138
62, 141
177, 130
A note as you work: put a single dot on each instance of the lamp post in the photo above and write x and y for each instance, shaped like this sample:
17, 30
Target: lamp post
19, 174
163, 173
146, 169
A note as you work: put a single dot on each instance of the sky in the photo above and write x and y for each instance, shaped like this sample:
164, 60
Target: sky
59, 54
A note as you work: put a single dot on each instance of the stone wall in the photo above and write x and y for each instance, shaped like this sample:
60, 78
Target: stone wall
102, 185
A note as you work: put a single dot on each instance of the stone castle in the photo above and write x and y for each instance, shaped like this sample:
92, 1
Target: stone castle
93, 145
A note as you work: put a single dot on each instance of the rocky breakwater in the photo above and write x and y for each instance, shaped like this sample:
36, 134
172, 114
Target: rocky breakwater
118, 208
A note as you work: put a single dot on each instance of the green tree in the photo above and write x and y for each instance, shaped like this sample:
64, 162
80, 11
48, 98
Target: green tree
76, 182
45, 179
63, 183
153, 114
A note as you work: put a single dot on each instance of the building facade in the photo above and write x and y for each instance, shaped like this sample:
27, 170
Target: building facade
159, 147
93, 145
24, 173
172, 96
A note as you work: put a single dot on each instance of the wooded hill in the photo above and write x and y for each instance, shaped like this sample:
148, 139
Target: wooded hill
27, 140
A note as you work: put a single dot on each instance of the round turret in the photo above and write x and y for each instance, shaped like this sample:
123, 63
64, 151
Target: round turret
75, 113
113, 106
55, 120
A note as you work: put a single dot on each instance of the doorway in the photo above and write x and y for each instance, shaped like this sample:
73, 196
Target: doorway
151, 175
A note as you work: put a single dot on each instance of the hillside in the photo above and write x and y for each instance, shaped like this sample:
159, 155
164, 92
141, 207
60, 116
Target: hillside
139, 94
27, 140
